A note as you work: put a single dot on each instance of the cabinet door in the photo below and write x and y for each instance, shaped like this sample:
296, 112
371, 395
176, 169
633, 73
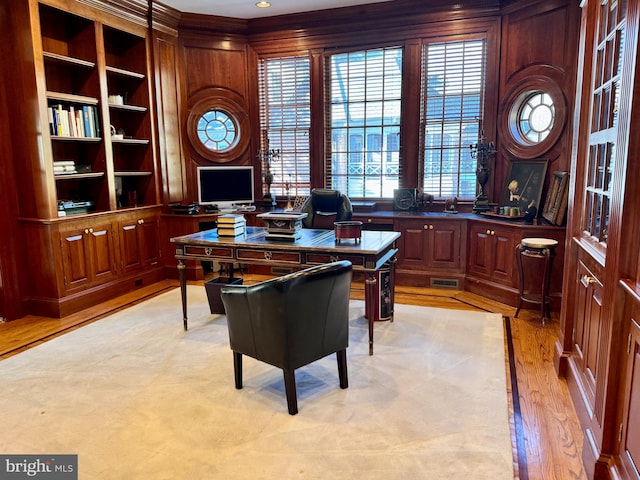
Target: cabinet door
492, 253
430, 244
139, 243
630, 444
586, 334
480, 251
88, 255
503, 257
444, 252
413, 243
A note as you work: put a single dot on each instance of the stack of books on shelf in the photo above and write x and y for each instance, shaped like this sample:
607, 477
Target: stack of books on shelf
64, 167
232, 225
73, 121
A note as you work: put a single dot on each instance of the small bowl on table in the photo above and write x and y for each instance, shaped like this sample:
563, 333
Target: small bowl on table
347, 230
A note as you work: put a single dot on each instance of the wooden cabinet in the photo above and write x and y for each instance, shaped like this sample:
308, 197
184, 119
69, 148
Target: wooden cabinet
491, 259
88, 253
88, 259
491, 253
139, 242
84, 127
629, 433
604, 242
429, 244
586, 335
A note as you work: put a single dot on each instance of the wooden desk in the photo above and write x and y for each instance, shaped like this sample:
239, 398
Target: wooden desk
316, 247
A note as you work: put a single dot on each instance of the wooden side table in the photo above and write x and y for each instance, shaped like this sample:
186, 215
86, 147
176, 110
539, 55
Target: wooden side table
540, 249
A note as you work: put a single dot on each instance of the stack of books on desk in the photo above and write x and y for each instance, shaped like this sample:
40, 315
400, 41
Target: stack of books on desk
231, 225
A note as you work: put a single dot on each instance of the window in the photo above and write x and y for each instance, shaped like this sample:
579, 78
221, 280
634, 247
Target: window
536, 117
363, 119
217, 130
453, 84
285, 120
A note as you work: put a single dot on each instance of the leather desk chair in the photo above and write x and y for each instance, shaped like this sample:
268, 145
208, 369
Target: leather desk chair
325, 207
291, 321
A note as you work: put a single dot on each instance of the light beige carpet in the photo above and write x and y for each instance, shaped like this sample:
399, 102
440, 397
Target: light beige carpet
136, 397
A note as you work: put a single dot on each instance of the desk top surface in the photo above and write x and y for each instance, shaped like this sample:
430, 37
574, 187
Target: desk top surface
372, 242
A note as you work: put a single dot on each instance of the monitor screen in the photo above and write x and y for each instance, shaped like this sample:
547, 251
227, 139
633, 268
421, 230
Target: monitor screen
225, 186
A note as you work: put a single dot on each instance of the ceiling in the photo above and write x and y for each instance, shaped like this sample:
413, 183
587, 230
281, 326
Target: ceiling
247, 9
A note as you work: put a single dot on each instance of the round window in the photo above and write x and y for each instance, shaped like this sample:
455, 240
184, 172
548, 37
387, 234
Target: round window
217, 130
533, 115
536, 117
218, 125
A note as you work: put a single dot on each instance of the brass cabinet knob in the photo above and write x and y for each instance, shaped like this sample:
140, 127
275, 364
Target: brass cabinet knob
588, 280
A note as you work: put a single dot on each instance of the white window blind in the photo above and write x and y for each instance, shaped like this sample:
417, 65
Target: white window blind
363, 118
453, 87
285, 120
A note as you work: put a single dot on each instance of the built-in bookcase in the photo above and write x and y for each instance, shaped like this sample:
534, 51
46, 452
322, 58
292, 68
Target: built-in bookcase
100, 148
129, 112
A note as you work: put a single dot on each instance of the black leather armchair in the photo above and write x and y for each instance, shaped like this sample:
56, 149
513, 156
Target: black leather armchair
325, 207
291, 321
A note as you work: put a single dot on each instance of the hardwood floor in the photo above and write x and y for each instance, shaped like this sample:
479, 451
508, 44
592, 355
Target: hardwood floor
550, 430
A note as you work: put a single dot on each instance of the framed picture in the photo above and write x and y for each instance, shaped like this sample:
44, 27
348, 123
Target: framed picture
524, 182
555, 206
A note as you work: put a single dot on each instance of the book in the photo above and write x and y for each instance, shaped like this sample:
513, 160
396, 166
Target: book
232, 219
231, 231
58, 113
72, 122
64, 163
286, 237
85, 120
52, 125
92, 125
96, 121
80, 123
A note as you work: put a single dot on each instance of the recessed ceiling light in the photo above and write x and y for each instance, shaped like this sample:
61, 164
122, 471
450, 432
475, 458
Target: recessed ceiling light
263, 4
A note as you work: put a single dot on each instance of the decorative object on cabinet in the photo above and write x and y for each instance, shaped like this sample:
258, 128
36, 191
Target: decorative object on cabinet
424, 200
482, 152
555, 206
451, 205
524, 183
266, 156
530, 214
405, 199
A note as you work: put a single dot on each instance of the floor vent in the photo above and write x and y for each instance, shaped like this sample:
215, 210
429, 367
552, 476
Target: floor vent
444, 283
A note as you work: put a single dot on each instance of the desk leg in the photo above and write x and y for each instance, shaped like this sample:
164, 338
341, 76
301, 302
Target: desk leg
370, 292
392, 285
182, 276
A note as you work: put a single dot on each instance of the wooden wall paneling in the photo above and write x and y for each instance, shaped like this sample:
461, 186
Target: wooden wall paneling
215, 64
548, 50
11, 247
318, 136
411, 87
169, 132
